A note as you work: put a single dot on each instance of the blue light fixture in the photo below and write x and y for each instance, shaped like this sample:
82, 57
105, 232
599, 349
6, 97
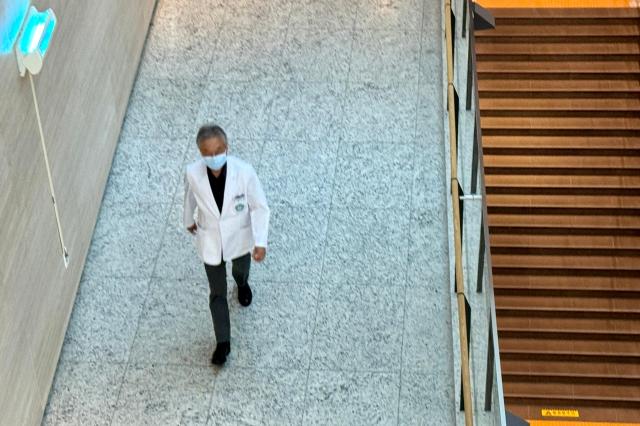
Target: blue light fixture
12, 14
34, 40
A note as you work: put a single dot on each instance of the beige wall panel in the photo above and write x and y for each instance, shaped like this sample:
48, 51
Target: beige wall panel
83, 91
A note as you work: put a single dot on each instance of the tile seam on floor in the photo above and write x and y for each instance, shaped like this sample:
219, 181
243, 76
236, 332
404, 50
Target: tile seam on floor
144, 304
376, 284
249, 367
280, 82
319, 291
212, 53
329, 214
317, 301
409, 236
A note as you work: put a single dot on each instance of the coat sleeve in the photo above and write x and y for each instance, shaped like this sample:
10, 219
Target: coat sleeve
189, 204
258, 209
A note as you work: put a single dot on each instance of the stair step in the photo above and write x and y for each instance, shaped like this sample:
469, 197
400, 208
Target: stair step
569, 191
547, 313
584, 223
562, 152
568, 306
583, 88
552, 57
575, 142
542, 30
568, 291
568, 123
559, 116
593, 105
565, 327
548, 285
496, 42
563, 355
518, 240
566, 335
573, 171
518, 285
567, 49
518, 132
550, 77
534, 182
563, 252
527, 229
562, 201
548, 334
541, 348
567, 378
561, 162
603, 370
552, 67
577, 394
566, 263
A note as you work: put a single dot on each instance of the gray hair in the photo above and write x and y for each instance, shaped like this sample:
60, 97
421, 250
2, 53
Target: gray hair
211, 131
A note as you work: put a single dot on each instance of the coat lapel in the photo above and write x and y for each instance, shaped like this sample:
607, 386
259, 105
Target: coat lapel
229, 186
205, 189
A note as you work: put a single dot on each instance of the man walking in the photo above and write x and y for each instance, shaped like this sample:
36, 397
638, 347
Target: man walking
231, 225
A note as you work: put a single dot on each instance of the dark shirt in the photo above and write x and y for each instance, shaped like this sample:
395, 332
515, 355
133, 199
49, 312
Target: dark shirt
217, 185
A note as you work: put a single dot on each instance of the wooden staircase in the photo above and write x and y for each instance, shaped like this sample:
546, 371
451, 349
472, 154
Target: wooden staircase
560, 109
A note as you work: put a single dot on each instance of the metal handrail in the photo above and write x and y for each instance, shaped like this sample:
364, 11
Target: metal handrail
477, 178
493, 358
462, 318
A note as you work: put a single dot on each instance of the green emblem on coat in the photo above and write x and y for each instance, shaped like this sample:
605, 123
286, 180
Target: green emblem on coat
239, 207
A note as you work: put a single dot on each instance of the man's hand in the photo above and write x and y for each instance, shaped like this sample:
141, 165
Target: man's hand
259, 254
192, 228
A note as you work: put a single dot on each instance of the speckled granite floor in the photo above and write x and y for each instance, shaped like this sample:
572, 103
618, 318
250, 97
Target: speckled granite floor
338, 105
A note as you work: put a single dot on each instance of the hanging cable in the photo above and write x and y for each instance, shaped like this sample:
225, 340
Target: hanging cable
65, 253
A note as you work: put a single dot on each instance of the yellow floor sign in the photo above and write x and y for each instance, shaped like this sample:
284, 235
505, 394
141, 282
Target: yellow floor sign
569, 413
546, 412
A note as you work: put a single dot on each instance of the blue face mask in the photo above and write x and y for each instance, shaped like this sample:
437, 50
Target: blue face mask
216, 162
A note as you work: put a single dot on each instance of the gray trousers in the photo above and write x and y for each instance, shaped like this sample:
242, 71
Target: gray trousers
217, 275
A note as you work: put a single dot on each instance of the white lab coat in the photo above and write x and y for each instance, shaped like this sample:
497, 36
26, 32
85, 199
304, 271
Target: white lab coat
244, 220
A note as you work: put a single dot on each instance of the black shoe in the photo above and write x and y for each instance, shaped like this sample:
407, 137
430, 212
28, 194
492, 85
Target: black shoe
219, 356
244, 295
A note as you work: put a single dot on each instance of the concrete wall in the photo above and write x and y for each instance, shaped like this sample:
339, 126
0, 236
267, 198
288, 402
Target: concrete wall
83, 91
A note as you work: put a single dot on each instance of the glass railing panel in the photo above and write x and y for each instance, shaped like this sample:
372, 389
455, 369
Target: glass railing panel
483, 356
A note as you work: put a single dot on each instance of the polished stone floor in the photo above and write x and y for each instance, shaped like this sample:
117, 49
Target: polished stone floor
337, 103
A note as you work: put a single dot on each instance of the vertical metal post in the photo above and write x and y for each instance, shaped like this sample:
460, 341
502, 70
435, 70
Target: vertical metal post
456, 109
467, 310
475, 164
488, 388
480, 276
465, 10
453, 40
477, 138
471, 61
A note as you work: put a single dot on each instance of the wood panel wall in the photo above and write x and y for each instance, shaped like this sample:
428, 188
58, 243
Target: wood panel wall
83, 91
